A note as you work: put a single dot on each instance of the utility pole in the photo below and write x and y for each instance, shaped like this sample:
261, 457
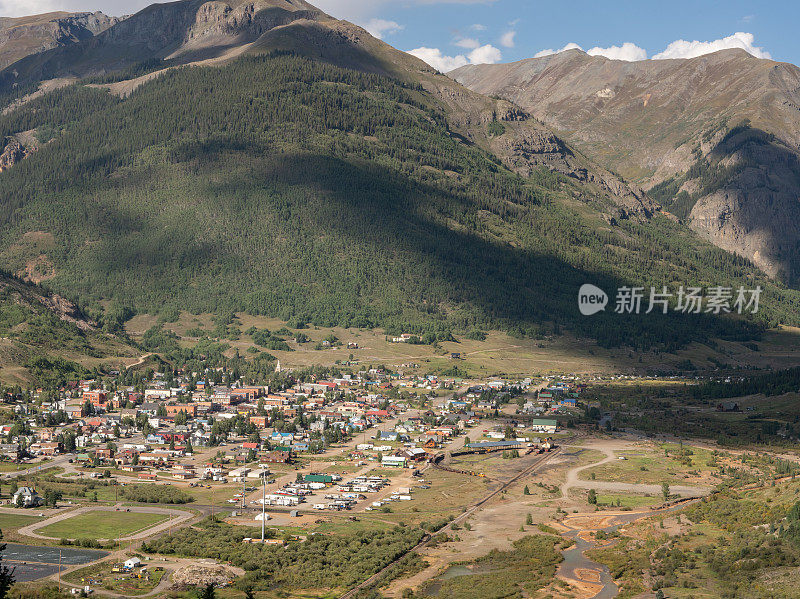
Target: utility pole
263, 506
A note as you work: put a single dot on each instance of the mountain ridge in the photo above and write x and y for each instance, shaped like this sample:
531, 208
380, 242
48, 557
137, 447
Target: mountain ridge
667, 124
24, 36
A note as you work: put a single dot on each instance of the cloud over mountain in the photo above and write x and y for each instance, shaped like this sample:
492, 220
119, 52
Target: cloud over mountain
486, 54
686, 49
381, 27
630, 52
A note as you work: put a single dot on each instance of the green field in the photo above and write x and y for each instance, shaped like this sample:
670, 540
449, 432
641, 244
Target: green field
101, 525
13, 521
12, 467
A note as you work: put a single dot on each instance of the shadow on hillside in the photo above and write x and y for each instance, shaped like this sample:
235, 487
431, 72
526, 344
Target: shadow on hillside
401, 221
761, 189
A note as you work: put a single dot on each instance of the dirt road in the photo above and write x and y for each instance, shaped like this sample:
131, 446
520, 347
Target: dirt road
608, 447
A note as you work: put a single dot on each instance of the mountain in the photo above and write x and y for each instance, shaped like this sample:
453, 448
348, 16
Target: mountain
715, 139
21, 37
265, 157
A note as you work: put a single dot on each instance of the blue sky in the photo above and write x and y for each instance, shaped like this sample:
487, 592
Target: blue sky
452, 32
539, 25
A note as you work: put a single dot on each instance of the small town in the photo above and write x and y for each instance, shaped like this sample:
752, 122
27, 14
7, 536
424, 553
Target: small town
355, 442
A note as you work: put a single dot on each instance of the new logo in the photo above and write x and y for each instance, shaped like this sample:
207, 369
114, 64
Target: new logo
591, 300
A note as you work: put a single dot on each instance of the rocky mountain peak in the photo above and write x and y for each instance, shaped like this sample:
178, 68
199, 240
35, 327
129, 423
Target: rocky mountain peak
21, 37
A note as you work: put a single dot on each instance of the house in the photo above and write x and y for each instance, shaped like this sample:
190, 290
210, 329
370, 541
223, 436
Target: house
245, 394
494, 445
568, 402
431, 443
259, 421
393, 461
541, 425
728, 406
96, 398
276, 457
27, 497
277, 437
74, 412
201, 438
47, 449
189, 409
377, 413
132, 563
149, 408
413, 454
318, 478
10, 450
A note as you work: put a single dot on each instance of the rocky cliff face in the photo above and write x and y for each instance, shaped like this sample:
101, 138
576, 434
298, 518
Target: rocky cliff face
181, 32
24, 36
34, 297
746, 200
12, 153
715, 139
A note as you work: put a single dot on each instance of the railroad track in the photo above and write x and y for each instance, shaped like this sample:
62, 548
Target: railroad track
459, 519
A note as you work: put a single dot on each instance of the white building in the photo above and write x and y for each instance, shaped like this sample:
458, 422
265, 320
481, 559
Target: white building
27, 497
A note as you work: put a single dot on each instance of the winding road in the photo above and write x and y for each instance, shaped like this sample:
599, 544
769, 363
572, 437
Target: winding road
577, 569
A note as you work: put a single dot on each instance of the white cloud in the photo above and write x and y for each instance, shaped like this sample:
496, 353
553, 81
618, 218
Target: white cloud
381, 27
487, 54
478, 27
550, 51
20, 8
470, 43
686, 49
440, 62
507, 39
628, 51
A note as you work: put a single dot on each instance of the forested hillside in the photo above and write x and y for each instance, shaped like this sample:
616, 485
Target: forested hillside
46, 338
293, 188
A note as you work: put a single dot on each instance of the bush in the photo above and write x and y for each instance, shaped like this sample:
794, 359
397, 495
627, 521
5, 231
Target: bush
156, 494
